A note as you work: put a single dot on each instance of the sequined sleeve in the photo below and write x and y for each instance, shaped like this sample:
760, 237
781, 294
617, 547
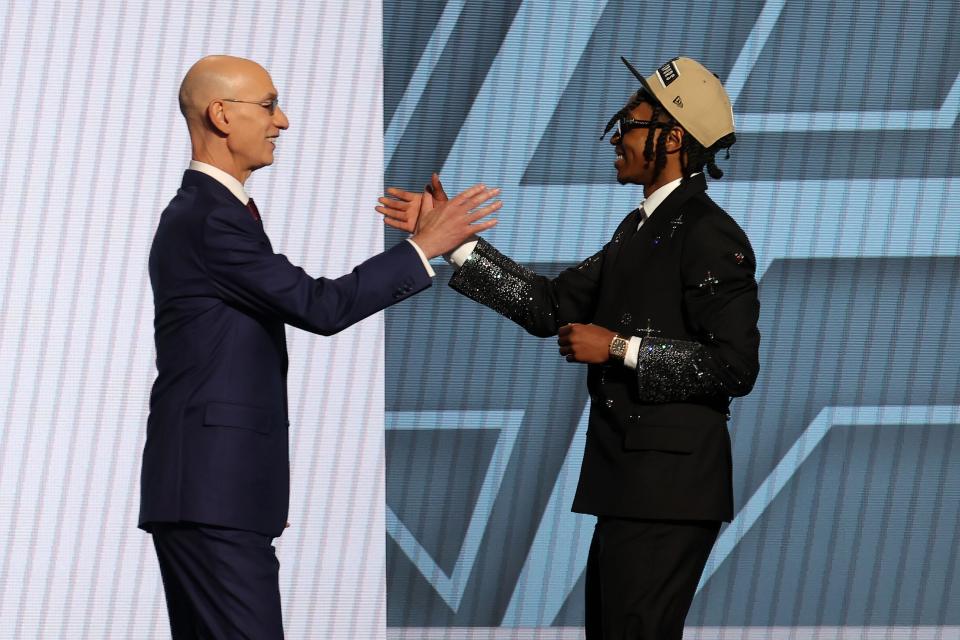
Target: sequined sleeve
674, 371
538, 304
496, 281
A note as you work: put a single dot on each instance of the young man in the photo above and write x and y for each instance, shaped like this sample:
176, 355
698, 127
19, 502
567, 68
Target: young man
665, 317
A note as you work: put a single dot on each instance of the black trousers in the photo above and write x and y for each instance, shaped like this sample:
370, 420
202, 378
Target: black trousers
219, 583
642, 576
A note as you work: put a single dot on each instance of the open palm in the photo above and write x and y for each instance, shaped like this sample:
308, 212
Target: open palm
401, 209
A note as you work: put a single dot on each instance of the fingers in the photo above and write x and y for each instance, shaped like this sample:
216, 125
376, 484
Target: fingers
483, 226
483, 213
390, 215
482, 197
467, 194
426, 203
395, 224
392, 203
391, 211
437, 187
565, 330
401, 194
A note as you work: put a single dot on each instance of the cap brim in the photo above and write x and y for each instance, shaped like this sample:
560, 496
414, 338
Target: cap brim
639, 76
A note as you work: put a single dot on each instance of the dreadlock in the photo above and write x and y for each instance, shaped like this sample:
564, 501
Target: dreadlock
693, 155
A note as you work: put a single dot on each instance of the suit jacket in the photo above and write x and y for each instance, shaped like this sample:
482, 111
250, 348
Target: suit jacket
217, 447
657, 444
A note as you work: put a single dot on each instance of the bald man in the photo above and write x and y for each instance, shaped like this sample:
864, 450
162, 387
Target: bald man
215, 476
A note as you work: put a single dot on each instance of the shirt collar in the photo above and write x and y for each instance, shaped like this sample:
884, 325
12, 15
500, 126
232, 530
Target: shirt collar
227, 180
657, 197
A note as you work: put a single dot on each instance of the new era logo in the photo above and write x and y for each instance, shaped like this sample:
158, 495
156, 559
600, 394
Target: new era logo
677, 101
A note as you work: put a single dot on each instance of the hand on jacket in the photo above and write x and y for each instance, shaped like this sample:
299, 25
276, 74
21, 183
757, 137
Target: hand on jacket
586, 343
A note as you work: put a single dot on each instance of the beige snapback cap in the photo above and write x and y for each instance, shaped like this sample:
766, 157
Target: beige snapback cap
693, 96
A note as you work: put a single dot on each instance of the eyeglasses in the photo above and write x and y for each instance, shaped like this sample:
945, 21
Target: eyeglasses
269, 105
623, 125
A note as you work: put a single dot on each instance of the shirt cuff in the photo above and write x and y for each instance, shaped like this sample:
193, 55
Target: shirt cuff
459, 255
633, 353
423, 258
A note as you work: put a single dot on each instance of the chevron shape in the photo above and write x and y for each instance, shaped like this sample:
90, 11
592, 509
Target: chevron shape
421, 77
826, 419
921, 119
451, 587
548, 578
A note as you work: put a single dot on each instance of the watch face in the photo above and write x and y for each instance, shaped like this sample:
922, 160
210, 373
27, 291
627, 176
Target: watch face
618, 348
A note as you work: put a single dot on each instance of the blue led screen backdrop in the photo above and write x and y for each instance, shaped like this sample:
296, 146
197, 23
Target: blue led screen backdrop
846, 177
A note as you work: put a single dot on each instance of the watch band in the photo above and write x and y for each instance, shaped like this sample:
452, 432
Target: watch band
618, 347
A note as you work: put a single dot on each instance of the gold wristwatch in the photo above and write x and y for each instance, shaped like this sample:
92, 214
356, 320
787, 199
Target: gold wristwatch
618, 348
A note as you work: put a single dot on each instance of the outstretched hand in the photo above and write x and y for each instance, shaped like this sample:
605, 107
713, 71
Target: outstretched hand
444, 225
401, 209
588, 343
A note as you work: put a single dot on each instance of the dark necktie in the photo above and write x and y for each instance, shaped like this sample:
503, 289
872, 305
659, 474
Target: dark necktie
641, 216
635, 221
252, 208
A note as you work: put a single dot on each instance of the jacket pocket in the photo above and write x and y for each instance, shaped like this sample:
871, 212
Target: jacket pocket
673, 439
227, 414
675, 428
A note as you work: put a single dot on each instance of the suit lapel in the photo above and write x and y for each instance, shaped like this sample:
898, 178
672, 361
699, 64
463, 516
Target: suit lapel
665, 222
621, 236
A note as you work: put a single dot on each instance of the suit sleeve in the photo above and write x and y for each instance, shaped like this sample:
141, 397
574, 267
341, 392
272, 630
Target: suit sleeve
538, 304
247, 273
722, 310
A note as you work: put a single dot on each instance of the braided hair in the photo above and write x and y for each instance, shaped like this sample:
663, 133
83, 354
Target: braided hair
693, 155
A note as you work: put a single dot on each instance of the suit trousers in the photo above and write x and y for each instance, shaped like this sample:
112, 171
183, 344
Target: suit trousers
642, 576
219, 582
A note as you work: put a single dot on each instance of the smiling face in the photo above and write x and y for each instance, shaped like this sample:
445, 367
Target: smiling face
229, 106
253, 130
631, 164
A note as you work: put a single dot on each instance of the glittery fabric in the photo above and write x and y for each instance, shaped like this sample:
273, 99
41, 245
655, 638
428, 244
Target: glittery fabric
496, 281
589, 262
673, 371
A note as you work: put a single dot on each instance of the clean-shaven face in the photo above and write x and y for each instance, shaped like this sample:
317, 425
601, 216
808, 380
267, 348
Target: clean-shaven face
254, 129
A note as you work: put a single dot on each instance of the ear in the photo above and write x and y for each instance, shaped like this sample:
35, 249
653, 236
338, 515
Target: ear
674, 141
217, 116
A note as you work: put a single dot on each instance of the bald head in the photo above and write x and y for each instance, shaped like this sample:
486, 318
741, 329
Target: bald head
216, 77
230, 105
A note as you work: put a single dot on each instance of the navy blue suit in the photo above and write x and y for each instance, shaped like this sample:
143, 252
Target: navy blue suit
217, 448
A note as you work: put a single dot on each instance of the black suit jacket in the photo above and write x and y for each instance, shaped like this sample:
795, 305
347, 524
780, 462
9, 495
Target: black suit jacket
217, 447
657, 444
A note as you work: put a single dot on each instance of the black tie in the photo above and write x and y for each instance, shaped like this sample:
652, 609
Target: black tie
639, 216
